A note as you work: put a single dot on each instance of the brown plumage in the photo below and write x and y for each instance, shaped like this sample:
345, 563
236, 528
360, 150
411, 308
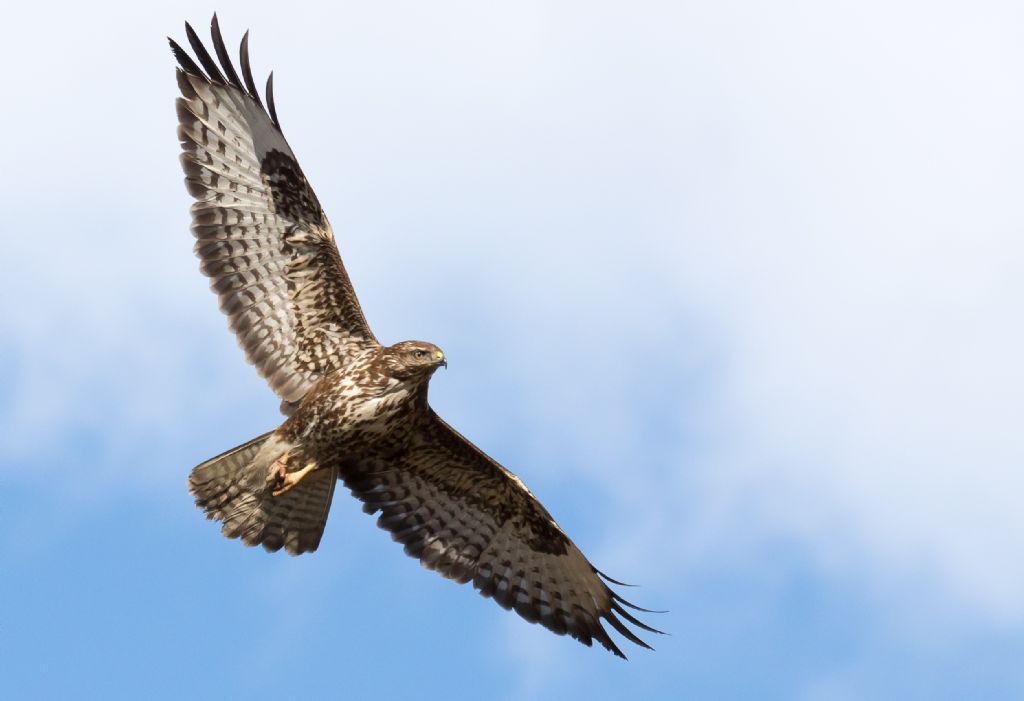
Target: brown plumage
357, 410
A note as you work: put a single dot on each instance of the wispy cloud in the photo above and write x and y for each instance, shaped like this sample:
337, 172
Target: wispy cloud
741, 276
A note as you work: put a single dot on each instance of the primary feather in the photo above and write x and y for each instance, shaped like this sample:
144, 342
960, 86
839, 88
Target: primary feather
357, 411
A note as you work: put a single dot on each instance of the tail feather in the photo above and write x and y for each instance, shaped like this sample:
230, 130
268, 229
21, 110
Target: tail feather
217, 483
294, 520
233, 488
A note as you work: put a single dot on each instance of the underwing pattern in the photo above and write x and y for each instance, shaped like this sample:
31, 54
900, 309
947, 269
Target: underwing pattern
357, 411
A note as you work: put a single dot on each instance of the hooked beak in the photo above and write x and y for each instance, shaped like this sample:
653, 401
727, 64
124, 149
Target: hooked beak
442, 360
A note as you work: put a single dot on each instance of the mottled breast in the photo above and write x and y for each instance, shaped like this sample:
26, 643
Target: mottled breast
359, 410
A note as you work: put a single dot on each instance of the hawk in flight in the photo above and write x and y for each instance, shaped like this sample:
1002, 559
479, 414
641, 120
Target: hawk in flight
356, 410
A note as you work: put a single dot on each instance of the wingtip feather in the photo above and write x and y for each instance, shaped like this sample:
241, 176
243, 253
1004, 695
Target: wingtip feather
250, 84
634, 606
184, 60
270, 100
613, 581
626, 632
222, 53
634, 620
204, 56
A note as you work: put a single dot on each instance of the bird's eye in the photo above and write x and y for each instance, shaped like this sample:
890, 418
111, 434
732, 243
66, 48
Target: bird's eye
421, 354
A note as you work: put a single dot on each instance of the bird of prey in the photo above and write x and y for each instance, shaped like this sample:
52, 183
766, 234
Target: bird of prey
356, 410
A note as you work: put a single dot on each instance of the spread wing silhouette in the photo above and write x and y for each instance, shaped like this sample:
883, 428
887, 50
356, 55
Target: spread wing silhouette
268, 248
263, 239
468, 518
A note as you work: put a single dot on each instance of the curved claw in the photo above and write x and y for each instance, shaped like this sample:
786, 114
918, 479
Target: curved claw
290, 479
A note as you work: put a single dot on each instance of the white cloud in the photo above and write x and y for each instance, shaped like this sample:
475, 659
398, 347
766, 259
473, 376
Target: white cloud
796, 228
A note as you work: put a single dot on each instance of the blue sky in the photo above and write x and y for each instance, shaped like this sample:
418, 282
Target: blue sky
735, 289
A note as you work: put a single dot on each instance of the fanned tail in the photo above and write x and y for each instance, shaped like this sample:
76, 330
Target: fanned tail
234, 488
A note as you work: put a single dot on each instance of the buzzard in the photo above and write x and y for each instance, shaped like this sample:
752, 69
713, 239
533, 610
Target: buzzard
356, 410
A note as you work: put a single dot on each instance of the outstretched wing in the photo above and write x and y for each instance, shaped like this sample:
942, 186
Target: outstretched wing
465, 516
262, 237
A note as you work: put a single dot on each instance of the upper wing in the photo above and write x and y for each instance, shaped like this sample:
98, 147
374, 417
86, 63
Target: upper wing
262, 237
465, 516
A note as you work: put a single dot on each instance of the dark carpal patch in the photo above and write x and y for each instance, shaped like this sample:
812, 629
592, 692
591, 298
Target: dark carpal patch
356, 410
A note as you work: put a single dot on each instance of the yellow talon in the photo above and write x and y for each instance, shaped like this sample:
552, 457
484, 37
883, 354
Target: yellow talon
290, 479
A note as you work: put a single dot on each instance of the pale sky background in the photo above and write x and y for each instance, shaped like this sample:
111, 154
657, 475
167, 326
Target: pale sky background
735, 287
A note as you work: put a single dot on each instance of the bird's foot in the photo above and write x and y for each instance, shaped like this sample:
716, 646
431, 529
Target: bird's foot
279, 469
286, 480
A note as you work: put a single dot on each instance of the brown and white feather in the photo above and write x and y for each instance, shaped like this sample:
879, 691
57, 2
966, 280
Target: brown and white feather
356, 410
465, 516
262, 237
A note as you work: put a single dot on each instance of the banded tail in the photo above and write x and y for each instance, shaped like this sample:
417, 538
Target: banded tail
234, 488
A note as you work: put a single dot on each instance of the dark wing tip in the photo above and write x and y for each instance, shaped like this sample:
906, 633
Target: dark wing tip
609, 579
611, 616
270, 101
210, 71
616, 609
184, 60
613, 648
204, 56
633, 619
625, 632
222, 53
250, 84
634, 606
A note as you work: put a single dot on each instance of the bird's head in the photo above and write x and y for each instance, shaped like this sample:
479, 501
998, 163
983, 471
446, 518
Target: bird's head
412, 359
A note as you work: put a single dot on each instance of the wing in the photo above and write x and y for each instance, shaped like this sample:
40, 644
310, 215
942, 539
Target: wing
465, 516
262, 237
